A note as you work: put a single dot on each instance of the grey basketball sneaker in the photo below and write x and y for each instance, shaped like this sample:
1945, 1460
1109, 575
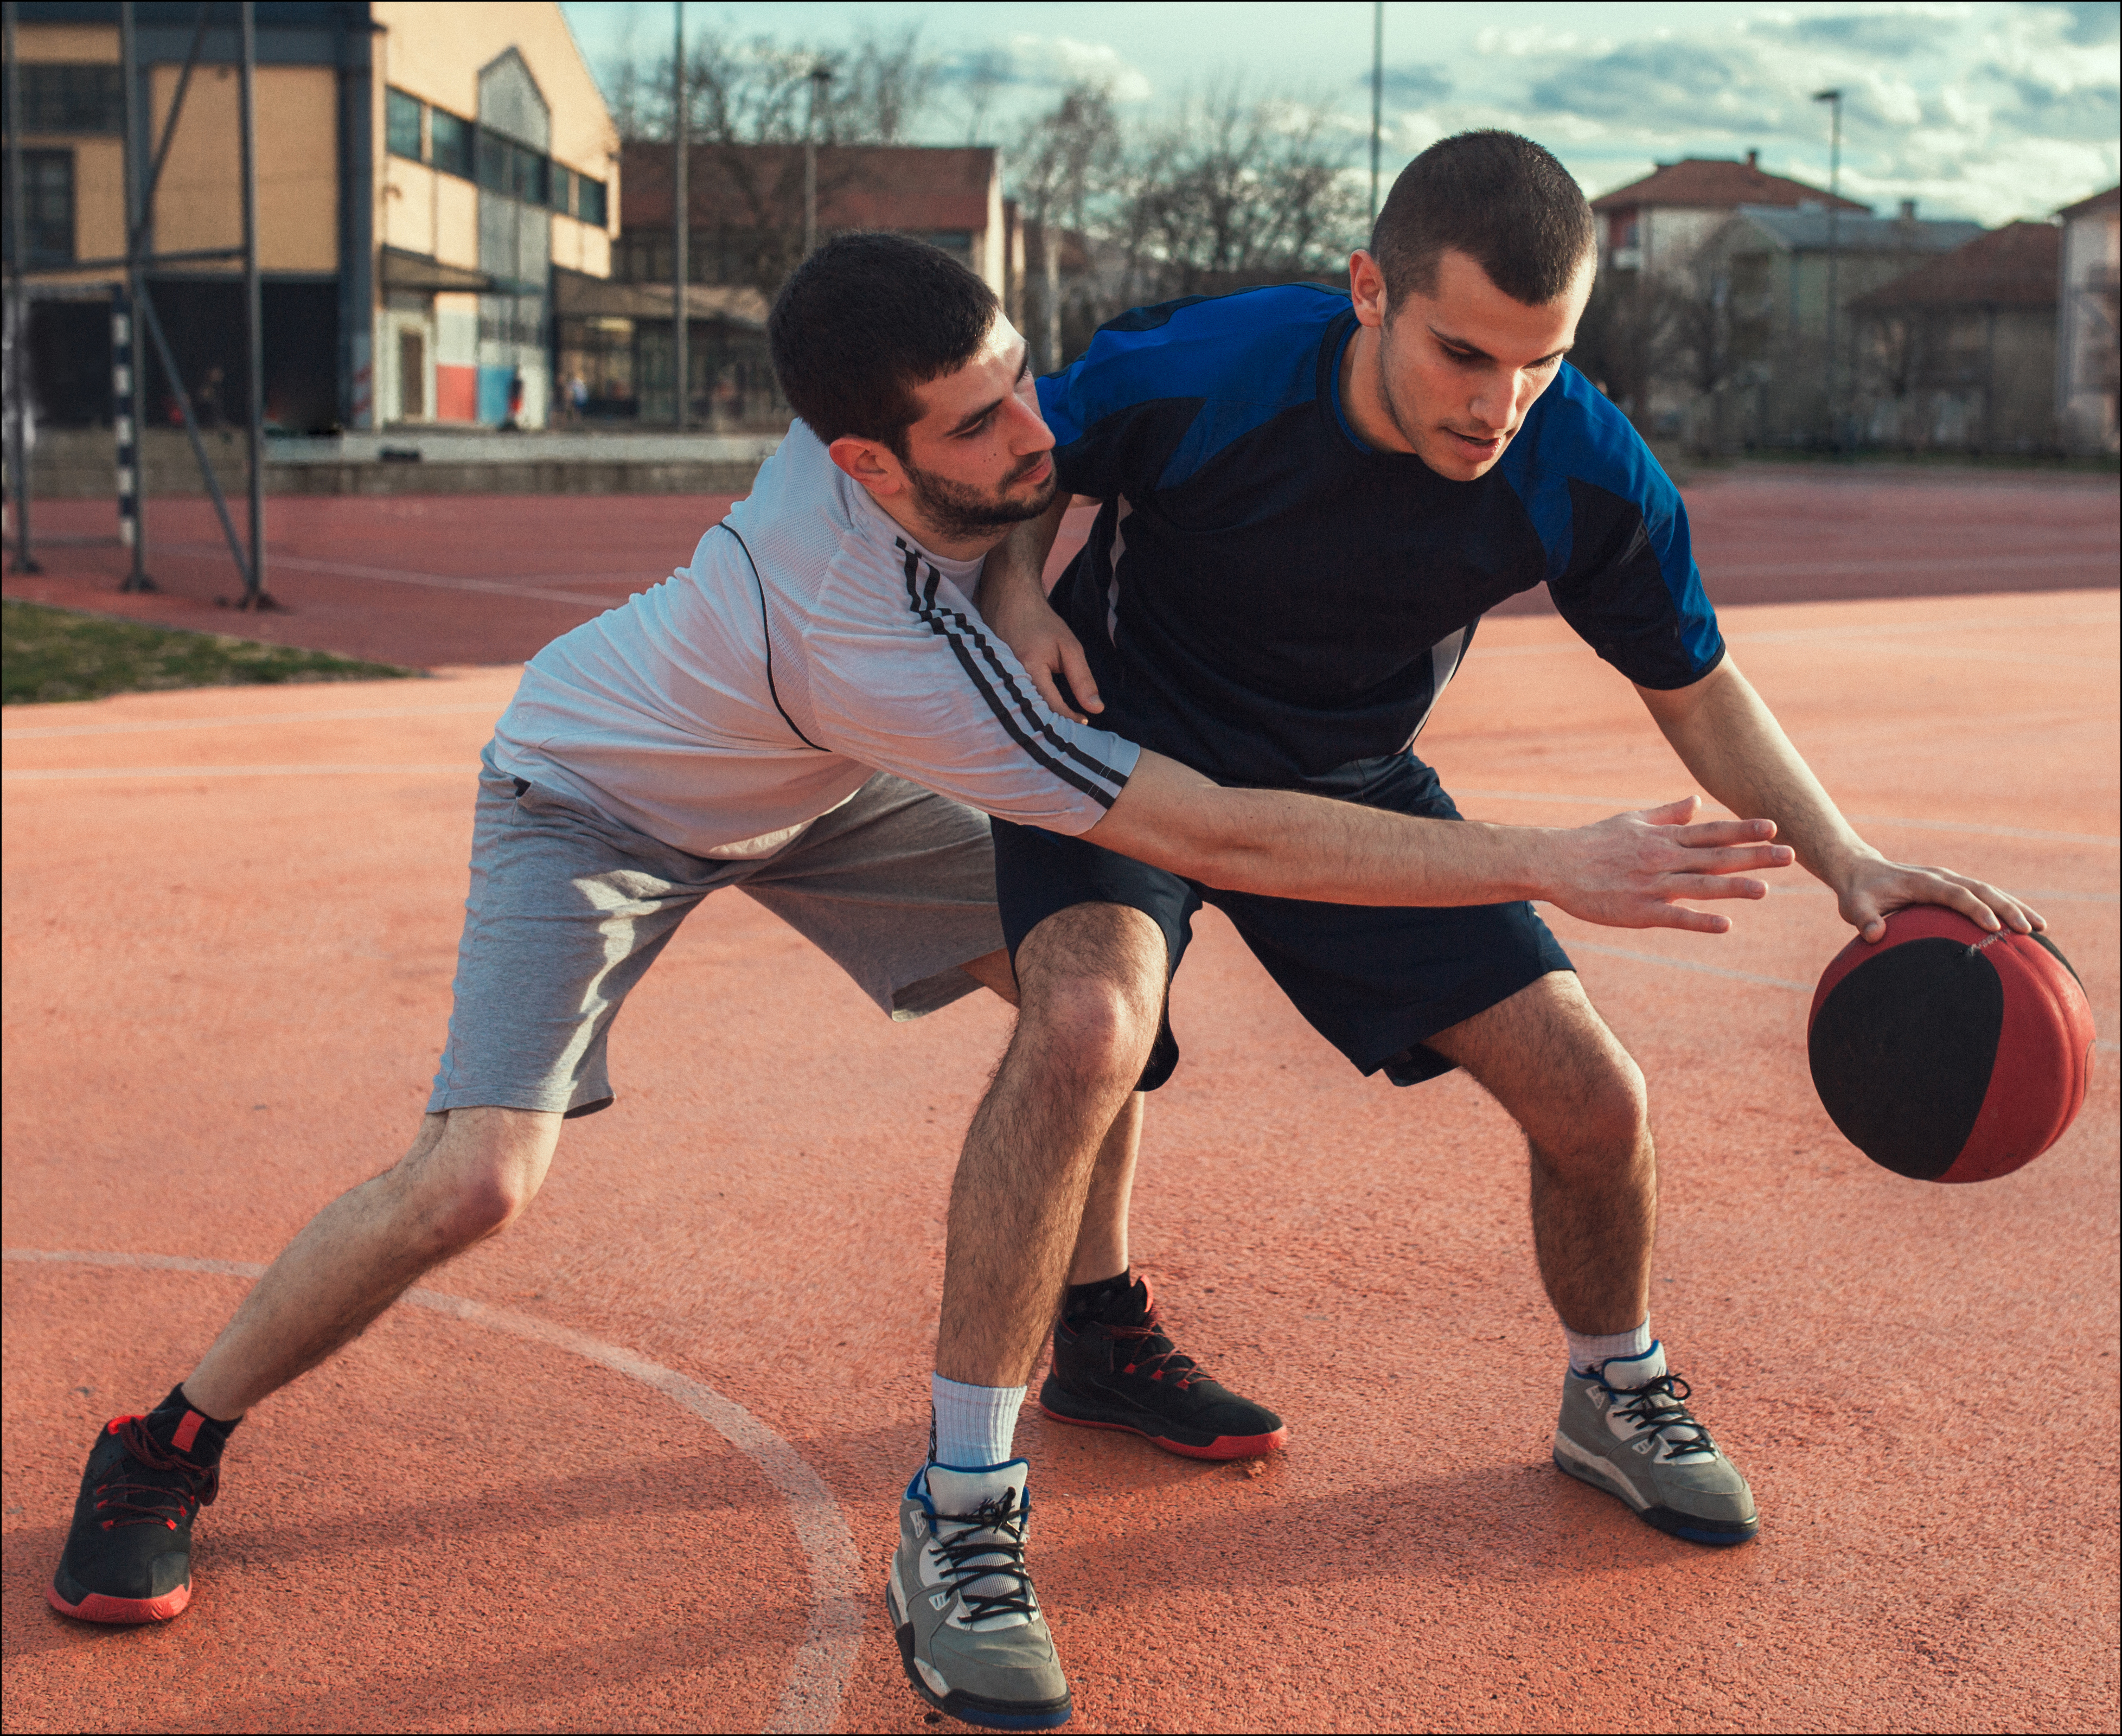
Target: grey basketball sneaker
971, 1634
1627, 1429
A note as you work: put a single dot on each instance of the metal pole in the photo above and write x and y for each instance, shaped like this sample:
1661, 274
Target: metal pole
129, 417
18, 314
681, 236
1833, 98
1377, 96
820, 76
254, 593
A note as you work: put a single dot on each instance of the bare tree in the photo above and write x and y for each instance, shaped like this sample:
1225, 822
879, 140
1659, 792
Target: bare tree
1234, 190
1066, 168
980, 84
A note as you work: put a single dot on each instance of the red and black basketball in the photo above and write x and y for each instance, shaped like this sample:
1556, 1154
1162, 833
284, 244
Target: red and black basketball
1949, 1054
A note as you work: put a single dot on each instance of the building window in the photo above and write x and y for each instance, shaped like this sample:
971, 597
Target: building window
46, 209
401, 125
958, 242
562, 190
505, 166
589, 201
451, 139
72, 99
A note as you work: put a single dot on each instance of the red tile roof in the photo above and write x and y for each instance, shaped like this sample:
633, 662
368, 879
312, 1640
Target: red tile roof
1714, 183
909, 187
2107, 201
2017, 266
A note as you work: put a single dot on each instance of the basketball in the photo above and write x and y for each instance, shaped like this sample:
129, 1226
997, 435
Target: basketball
1945, 1053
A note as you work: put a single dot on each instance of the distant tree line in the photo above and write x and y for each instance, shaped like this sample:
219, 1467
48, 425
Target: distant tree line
1223, 188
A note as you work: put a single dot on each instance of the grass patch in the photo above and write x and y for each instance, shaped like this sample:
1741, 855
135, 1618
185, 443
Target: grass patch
53, 654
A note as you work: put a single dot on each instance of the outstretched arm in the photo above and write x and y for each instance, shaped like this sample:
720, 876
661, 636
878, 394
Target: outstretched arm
1627, 872
1731, 742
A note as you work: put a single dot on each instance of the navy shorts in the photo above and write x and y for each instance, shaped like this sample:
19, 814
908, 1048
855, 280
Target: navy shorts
1375, 981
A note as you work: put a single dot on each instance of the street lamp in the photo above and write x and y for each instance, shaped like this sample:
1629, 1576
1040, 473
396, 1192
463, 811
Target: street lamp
1833, 98
821, 75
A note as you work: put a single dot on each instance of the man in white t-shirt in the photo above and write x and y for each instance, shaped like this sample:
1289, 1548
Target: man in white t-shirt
812, 711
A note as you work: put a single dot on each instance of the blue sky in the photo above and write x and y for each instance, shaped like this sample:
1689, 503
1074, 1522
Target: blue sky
1989, 110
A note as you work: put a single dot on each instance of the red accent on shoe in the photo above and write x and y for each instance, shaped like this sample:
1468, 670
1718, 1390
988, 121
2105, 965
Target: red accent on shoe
121, 1612
187, 1431
1223, 1446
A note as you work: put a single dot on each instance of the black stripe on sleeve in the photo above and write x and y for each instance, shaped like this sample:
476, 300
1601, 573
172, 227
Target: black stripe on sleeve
938, 621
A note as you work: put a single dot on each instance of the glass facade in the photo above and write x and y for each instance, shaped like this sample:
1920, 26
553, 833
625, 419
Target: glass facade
401, 125
452, 141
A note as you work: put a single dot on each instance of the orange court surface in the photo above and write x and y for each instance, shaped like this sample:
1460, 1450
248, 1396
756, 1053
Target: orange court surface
633, 1465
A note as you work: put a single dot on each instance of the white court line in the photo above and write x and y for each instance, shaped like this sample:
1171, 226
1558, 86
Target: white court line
1797, 635
433, 581
462, 770
2038, 561
824, 1662
1736, 976
345, 716
1631, 804
1707, 970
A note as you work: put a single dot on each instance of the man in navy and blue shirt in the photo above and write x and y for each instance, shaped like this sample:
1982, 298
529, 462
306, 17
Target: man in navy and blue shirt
1308, 500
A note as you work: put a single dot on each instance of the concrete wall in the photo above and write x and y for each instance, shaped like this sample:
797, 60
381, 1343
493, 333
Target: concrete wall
67, 464
2085, 400
199, 200
435, 49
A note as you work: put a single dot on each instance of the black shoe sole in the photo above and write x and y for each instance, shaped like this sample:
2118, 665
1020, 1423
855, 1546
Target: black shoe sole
1058, 1402
988, 1714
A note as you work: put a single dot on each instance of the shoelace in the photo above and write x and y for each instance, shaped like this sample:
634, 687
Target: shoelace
990, 1545
1660, 1405
125, 1501
1151, 1353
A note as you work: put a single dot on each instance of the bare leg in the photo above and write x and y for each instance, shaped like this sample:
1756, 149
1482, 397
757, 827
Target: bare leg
1092, 982
1549, 1059
470, 1172
1101, 1244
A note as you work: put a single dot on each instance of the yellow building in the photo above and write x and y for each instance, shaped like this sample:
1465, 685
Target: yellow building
423, 167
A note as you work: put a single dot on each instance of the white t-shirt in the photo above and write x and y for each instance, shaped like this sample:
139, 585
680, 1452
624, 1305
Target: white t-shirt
810, 643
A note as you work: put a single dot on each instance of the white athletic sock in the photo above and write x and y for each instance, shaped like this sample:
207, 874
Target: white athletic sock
975, 1425
1588, 1350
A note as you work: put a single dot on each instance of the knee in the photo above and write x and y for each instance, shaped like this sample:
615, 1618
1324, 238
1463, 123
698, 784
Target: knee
479, 1176
1607, 1122
1096, 1028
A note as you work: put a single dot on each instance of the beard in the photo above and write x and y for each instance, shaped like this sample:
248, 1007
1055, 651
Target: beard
959, 512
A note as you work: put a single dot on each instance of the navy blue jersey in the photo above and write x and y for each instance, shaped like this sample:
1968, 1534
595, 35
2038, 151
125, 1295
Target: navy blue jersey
1271, 601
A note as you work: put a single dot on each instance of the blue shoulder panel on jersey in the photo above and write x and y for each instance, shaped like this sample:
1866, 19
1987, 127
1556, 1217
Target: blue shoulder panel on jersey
1575, 432
1249, 356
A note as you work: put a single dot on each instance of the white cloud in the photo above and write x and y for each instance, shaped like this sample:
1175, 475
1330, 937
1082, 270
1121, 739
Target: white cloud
1063, 60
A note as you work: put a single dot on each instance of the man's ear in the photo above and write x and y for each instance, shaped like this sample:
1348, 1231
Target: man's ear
870, 462
1367, 287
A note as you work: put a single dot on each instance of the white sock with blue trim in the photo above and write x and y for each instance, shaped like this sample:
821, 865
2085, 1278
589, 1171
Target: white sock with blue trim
973, 1426
1588, 1351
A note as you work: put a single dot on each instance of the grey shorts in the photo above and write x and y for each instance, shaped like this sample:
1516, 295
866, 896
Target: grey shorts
568, 910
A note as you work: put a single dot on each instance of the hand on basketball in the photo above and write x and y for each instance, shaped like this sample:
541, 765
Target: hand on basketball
1873, 889
1632, 871
1026, 622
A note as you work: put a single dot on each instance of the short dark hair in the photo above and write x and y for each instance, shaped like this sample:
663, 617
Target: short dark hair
865, 320
1500, 199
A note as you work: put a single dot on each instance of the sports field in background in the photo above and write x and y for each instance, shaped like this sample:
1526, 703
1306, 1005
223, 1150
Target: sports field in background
633, 1465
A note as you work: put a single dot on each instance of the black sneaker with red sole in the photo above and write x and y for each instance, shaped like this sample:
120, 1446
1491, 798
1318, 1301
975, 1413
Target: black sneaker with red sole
129, 1556
1115, 1369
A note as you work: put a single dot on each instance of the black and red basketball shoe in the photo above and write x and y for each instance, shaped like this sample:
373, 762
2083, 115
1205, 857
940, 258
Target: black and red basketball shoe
129, 1556
1114, 1368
